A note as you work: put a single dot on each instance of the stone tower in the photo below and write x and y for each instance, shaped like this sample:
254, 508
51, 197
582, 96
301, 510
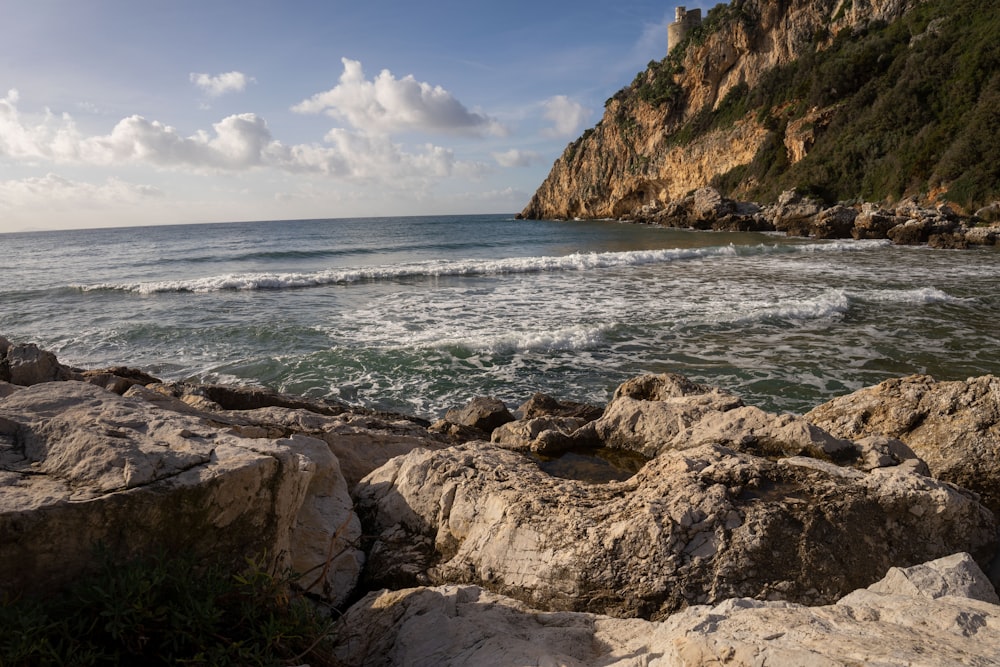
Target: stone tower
684, 23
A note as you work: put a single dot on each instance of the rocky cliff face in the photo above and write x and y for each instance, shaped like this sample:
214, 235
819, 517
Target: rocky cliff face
636, 155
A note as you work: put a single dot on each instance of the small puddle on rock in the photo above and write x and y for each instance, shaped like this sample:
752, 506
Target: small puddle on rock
594, 466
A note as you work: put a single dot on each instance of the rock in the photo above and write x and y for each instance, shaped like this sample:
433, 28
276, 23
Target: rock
911, 232
986, 236
361, 440
836, 222
118, 379
244, 398
885, 625
26, 365
482, 413
541, 405
955, 576
694, 526
6, 389
753, 431
948, 241
456, 433
793, 213
953, 426
646, 413
873, 223
81, 466
990, 212
549, 436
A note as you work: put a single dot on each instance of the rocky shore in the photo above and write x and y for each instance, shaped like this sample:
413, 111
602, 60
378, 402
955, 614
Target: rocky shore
674, 526
795, 214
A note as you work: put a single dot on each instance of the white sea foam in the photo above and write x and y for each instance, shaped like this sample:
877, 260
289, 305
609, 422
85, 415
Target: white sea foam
829, 304
468, 267
430, 269
915, 296
565, 339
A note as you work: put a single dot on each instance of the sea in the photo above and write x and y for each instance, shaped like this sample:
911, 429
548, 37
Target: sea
421, 314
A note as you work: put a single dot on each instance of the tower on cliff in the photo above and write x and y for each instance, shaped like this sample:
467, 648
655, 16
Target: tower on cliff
684, 23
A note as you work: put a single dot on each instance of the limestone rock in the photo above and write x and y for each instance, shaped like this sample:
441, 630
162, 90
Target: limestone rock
885, 625
541, 405
694, 526
82, 466
835, 222
955, 576
25, 364
481, 413
632, 157
647, 412
361, 440
793, 213
953, 426
544, 435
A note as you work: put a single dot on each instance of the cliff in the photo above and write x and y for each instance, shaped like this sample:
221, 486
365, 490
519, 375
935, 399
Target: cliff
869, 99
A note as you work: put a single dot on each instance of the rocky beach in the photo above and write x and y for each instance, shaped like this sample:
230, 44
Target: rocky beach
863, 532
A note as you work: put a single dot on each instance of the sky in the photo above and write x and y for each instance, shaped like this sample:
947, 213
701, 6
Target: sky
141, 112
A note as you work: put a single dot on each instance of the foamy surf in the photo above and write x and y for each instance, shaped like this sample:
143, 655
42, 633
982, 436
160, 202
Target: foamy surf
464, 268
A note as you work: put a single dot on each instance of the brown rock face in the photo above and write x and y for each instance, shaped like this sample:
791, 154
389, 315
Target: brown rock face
632, 159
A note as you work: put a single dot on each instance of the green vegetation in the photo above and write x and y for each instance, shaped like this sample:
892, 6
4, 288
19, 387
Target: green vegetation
167, 611
656, 86
917, 107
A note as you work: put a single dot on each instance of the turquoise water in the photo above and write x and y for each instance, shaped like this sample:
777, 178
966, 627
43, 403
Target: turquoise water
421, 314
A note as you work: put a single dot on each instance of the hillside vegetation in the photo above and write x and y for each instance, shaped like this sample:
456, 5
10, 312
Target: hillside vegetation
858, 107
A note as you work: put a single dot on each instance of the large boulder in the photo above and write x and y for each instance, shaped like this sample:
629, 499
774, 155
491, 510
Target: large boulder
483, 412
26, 364
694, 526
953, 426
647, 412
82, 468
938, 613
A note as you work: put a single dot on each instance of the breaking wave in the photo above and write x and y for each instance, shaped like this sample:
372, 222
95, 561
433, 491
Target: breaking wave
462, 268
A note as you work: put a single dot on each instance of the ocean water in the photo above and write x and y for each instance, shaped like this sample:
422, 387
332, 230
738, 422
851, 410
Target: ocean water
419, 314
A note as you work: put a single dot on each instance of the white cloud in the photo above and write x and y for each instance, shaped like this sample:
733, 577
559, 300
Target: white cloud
387, 104
516, 158
566, 115
240, 142
220, 84
53, 191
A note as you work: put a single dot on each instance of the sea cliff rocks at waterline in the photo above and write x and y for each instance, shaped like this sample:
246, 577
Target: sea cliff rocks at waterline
728, 503
796, 214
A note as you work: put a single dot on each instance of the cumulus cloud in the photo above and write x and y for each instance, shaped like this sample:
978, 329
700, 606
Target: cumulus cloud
240, 142
516, 158
387, 104
567, 116
220, 84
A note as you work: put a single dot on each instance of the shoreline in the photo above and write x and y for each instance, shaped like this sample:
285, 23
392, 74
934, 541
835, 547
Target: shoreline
725, 510
797, 214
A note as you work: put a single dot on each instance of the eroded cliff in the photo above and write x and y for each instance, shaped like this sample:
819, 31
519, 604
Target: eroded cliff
745, 100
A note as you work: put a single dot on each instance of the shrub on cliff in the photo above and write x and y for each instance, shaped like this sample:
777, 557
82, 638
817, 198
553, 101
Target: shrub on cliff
916, 107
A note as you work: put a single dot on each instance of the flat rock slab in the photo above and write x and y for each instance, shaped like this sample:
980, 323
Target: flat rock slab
882, 625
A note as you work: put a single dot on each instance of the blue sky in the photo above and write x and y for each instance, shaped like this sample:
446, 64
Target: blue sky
116, 112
